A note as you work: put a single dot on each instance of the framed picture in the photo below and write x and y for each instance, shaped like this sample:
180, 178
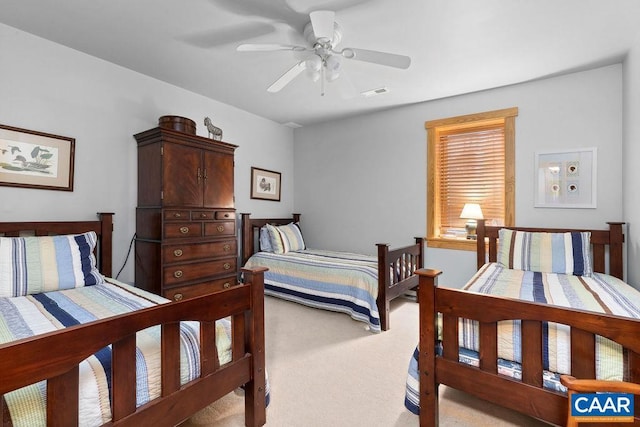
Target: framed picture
265, 184
33, 159
566, 179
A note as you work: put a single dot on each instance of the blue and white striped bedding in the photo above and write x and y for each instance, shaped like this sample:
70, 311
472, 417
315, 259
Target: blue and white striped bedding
337, 281
599, 293
30, 315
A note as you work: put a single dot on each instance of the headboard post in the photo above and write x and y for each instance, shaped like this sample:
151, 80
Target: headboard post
420, 243
616, 240
247, 237
383, 284
480, 245
106, 242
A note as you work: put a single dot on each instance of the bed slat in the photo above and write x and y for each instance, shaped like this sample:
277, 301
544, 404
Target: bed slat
123, 379
532, 352
170, 358
62, 398
208, 348
583, 354
450, 336
488, 346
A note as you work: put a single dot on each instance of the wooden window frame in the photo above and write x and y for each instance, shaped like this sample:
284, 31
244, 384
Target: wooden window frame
434, 128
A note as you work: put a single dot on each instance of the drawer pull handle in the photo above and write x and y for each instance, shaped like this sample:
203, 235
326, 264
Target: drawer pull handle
184, 230
177, 215
226, 266
177, 297
226, 215
177, 274
177, 253
203, 215
227, 285
226, 247
220, 228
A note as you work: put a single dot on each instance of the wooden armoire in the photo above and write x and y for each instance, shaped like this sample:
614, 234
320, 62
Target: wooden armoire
186, 242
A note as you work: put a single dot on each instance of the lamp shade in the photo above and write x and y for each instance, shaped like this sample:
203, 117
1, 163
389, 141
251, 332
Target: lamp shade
471, 211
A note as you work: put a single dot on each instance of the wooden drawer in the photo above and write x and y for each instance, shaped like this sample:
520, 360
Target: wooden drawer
191, 291
176, 214
181, 273
195, 251
201, 215
221, 228
225, 215
182, 229
212, 214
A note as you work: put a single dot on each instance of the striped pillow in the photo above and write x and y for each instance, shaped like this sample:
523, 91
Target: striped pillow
286, 238
31, 265
562, 253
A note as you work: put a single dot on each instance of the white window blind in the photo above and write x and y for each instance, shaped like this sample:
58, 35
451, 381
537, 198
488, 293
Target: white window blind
471, 165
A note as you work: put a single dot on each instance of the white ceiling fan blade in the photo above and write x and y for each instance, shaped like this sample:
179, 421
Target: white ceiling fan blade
322, 22
287, 77
268, 47
376, 57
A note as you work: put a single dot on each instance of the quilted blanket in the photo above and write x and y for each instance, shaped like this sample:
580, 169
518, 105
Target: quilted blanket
600, 293
337, 281
25, 316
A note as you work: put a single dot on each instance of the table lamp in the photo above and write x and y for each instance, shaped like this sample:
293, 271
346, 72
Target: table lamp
471, 212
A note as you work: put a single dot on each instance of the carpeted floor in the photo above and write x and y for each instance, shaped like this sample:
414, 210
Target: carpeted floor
325, 369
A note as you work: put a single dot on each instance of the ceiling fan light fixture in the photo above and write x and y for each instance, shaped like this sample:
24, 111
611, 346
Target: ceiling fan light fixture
313, 64
333, 63
313, 75
331, 75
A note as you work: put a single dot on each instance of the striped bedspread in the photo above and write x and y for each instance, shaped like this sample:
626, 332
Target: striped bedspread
22, 317
337, 281
599, 293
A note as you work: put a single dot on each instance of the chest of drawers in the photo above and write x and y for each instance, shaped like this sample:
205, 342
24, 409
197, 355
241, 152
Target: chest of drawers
186, 237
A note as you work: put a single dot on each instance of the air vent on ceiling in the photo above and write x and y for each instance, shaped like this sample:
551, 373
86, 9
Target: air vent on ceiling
375, 92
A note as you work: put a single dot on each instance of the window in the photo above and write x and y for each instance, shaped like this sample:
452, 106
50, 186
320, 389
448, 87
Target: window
470, 159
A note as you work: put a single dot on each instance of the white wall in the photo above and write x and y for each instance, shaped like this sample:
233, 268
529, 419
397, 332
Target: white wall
362, 180
631, 156
49, 88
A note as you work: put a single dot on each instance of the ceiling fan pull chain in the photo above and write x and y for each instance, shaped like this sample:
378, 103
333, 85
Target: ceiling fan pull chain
322, 80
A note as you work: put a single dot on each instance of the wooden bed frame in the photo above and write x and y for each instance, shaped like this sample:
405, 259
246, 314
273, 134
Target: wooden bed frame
407, 259
527, 396
55, 356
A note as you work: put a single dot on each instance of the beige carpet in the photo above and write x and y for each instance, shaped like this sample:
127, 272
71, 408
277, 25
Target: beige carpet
325, 369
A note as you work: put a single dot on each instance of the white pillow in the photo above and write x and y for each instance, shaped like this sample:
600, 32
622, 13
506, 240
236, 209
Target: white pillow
286, 238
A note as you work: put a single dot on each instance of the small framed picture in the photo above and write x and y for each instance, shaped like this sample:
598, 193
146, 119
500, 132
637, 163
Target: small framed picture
566, 179
31, 159
265, 184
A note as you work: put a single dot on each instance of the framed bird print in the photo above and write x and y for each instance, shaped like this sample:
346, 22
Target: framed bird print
265, 184
31, 159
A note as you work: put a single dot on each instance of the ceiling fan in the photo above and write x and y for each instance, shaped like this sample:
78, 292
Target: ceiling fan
324, 61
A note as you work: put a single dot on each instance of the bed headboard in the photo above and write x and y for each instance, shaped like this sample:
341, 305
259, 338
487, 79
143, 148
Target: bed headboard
251, 230
102, 227
601, 240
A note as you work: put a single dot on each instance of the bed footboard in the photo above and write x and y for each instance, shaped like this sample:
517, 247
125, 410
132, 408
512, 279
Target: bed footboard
396, 274
55, 357
527, 395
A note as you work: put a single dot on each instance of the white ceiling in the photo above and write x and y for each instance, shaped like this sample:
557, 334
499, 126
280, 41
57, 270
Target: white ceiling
456, 46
